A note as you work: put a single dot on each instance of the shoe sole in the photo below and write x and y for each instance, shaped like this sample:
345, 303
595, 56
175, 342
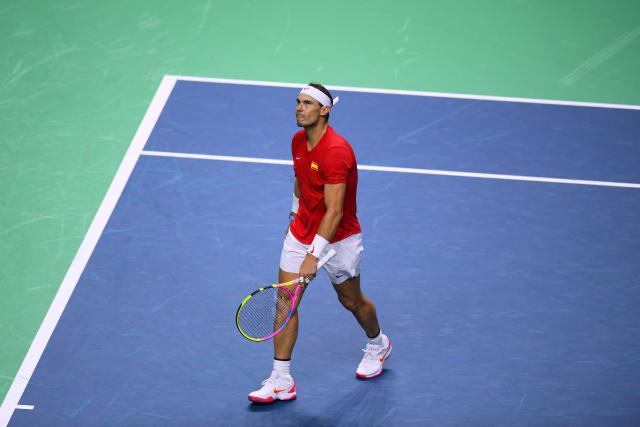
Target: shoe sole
270, 399
375, 374
281, 395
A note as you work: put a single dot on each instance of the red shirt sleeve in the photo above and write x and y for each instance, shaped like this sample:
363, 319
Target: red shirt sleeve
295, 142
338, 163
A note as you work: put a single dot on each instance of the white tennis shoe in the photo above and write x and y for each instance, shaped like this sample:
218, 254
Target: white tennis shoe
374, 356
275, 388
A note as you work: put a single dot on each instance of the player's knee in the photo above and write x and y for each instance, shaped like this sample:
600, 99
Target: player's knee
350, 303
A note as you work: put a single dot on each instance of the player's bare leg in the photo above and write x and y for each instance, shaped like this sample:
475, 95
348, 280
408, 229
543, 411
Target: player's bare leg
284, 342
280, 384
352, 298
378, 348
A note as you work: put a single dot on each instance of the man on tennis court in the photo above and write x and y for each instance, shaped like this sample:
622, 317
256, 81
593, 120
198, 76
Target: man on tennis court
324, 217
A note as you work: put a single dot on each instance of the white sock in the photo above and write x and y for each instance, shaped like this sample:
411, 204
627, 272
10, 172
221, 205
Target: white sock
377, 340
281, 367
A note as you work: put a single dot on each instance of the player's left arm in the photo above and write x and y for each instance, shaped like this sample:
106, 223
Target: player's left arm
334, 201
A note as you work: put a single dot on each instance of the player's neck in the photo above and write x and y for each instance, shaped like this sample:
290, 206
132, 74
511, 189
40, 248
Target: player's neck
315, 133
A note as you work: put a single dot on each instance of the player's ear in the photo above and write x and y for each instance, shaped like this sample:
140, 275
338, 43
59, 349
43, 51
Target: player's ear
324, 111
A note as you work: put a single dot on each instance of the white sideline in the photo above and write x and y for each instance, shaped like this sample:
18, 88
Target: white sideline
12, 399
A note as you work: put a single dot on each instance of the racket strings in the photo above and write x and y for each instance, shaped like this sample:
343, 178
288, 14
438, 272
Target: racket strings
265, 312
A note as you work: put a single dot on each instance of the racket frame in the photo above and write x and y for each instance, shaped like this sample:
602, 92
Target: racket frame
284, 286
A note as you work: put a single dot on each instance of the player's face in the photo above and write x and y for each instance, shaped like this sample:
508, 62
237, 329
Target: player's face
308, 111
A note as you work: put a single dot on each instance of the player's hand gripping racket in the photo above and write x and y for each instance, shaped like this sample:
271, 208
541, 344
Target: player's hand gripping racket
266, 311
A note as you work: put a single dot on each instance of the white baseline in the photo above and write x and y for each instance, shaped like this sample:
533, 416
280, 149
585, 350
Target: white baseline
399, 170
413, 93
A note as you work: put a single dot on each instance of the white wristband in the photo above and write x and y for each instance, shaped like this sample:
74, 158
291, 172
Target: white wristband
295, 204
318, 246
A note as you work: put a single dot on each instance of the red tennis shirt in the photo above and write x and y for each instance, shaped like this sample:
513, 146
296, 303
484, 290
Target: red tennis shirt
332, 161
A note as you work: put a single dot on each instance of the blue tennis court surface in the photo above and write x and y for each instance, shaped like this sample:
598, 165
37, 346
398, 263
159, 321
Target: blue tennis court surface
509, 303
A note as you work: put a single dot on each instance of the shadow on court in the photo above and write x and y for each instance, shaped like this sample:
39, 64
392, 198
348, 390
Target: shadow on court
365, 403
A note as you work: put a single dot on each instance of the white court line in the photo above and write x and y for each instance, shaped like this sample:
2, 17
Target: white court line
600, 57
10, 403
413, 93
400, 170
26, 407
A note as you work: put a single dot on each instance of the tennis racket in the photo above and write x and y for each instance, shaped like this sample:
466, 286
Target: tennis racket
266, 311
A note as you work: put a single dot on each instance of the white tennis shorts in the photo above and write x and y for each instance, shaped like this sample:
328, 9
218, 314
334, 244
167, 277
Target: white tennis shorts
344, 265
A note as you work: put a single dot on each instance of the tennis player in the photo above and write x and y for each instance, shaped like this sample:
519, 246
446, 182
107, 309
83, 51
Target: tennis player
323, 216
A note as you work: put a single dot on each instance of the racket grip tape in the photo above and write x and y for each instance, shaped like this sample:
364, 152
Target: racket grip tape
330, 254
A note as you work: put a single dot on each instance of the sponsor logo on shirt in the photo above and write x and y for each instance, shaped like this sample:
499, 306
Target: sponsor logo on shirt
314, 166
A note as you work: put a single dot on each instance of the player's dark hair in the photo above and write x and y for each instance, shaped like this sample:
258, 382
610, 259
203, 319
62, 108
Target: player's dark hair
323, 90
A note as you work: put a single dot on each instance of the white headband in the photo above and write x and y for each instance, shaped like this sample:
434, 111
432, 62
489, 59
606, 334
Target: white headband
319, 96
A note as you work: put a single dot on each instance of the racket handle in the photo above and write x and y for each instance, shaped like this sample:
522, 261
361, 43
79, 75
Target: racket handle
330, 254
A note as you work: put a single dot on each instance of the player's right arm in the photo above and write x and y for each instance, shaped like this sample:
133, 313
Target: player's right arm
294, 204
296, 191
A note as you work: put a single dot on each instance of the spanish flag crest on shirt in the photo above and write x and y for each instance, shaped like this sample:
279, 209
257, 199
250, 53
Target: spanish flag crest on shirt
314, 166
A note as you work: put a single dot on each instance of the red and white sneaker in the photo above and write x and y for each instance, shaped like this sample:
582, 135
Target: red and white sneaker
275, 388
374, 356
